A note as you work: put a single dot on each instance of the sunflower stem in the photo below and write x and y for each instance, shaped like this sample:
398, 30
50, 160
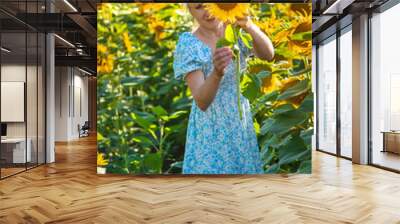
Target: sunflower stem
236, 31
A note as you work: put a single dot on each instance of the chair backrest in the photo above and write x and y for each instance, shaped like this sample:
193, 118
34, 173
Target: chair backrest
86, 125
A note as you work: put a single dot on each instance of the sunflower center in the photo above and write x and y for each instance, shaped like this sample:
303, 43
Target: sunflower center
226, 6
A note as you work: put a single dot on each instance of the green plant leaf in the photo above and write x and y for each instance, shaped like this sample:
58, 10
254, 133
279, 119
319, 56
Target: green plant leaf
307, 105
142, 140
298, 89
175, 166
273, 169
247, 39
306, 136
144, 123
152, 163
283, 108
283, 122
159, 111
302, 36
99, 136
134, 80
229, 35
222, 42
293, 149
250, 87
305, 167
177, 114
267, 125
267, 154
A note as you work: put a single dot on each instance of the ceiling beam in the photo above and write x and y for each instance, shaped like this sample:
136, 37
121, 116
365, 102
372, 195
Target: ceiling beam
90, 31
81, 61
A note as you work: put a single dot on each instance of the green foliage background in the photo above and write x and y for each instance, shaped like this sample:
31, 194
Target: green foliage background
143, 110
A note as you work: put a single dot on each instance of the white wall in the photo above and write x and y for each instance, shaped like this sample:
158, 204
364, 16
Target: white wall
33, 127
12, 73
62, 81
71, 94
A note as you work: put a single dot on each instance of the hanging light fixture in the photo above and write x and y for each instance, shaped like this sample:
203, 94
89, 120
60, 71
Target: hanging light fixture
5, 50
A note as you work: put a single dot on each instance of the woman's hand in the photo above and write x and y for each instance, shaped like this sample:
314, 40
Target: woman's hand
204, 90
262, 45
244, 22
221, 58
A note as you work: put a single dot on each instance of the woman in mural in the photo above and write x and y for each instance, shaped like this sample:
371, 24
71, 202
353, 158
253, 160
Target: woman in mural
218, 140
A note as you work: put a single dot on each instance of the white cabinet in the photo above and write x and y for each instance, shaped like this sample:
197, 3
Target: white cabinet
18, 147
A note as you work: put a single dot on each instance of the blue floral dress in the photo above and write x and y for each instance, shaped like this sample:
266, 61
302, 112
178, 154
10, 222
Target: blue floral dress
217, 141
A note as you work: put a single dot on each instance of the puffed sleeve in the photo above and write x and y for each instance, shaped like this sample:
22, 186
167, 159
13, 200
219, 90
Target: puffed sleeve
186, 57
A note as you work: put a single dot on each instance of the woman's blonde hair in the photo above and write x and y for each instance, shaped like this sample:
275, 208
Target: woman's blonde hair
194, 21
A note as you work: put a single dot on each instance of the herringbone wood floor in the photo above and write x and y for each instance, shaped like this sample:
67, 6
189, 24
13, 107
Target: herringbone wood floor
70, 191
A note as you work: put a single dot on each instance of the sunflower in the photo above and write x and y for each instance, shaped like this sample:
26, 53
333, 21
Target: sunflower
227, 12
298, 100
257, 65
101, 49
157, 27
270, 25
151, 7
271, 83
301, 8
105, 61
105, 65
289, 82
295, 100
100, 160
127, 42
105, 11
301, 47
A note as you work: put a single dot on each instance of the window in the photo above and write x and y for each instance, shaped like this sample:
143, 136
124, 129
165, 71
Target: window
385, 89
327, 95
346, 92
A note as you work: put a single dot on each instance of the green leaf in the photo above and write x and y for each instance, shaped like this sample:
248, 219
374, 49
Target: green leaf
263, 74
152, 163
222, 42
306, 136
302, 36
298, 72
142, 140
177, 114
305, 167
273, 142
144, 123
229, 35
269, 97
133, 80
298, 89
251, 90
256, 127
267, 154
247, 39
307, 105
99, 136
285, 121
267, 126
283, 108
273, 169
174, 167
293, 149
159, 111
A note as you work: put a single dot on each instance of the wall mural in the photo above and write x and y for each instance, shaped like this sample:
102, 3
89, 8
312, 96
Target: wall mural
168, 99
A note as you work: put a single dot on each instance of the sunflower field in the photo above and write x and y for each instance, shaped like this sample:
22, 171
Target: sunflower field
143, 110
